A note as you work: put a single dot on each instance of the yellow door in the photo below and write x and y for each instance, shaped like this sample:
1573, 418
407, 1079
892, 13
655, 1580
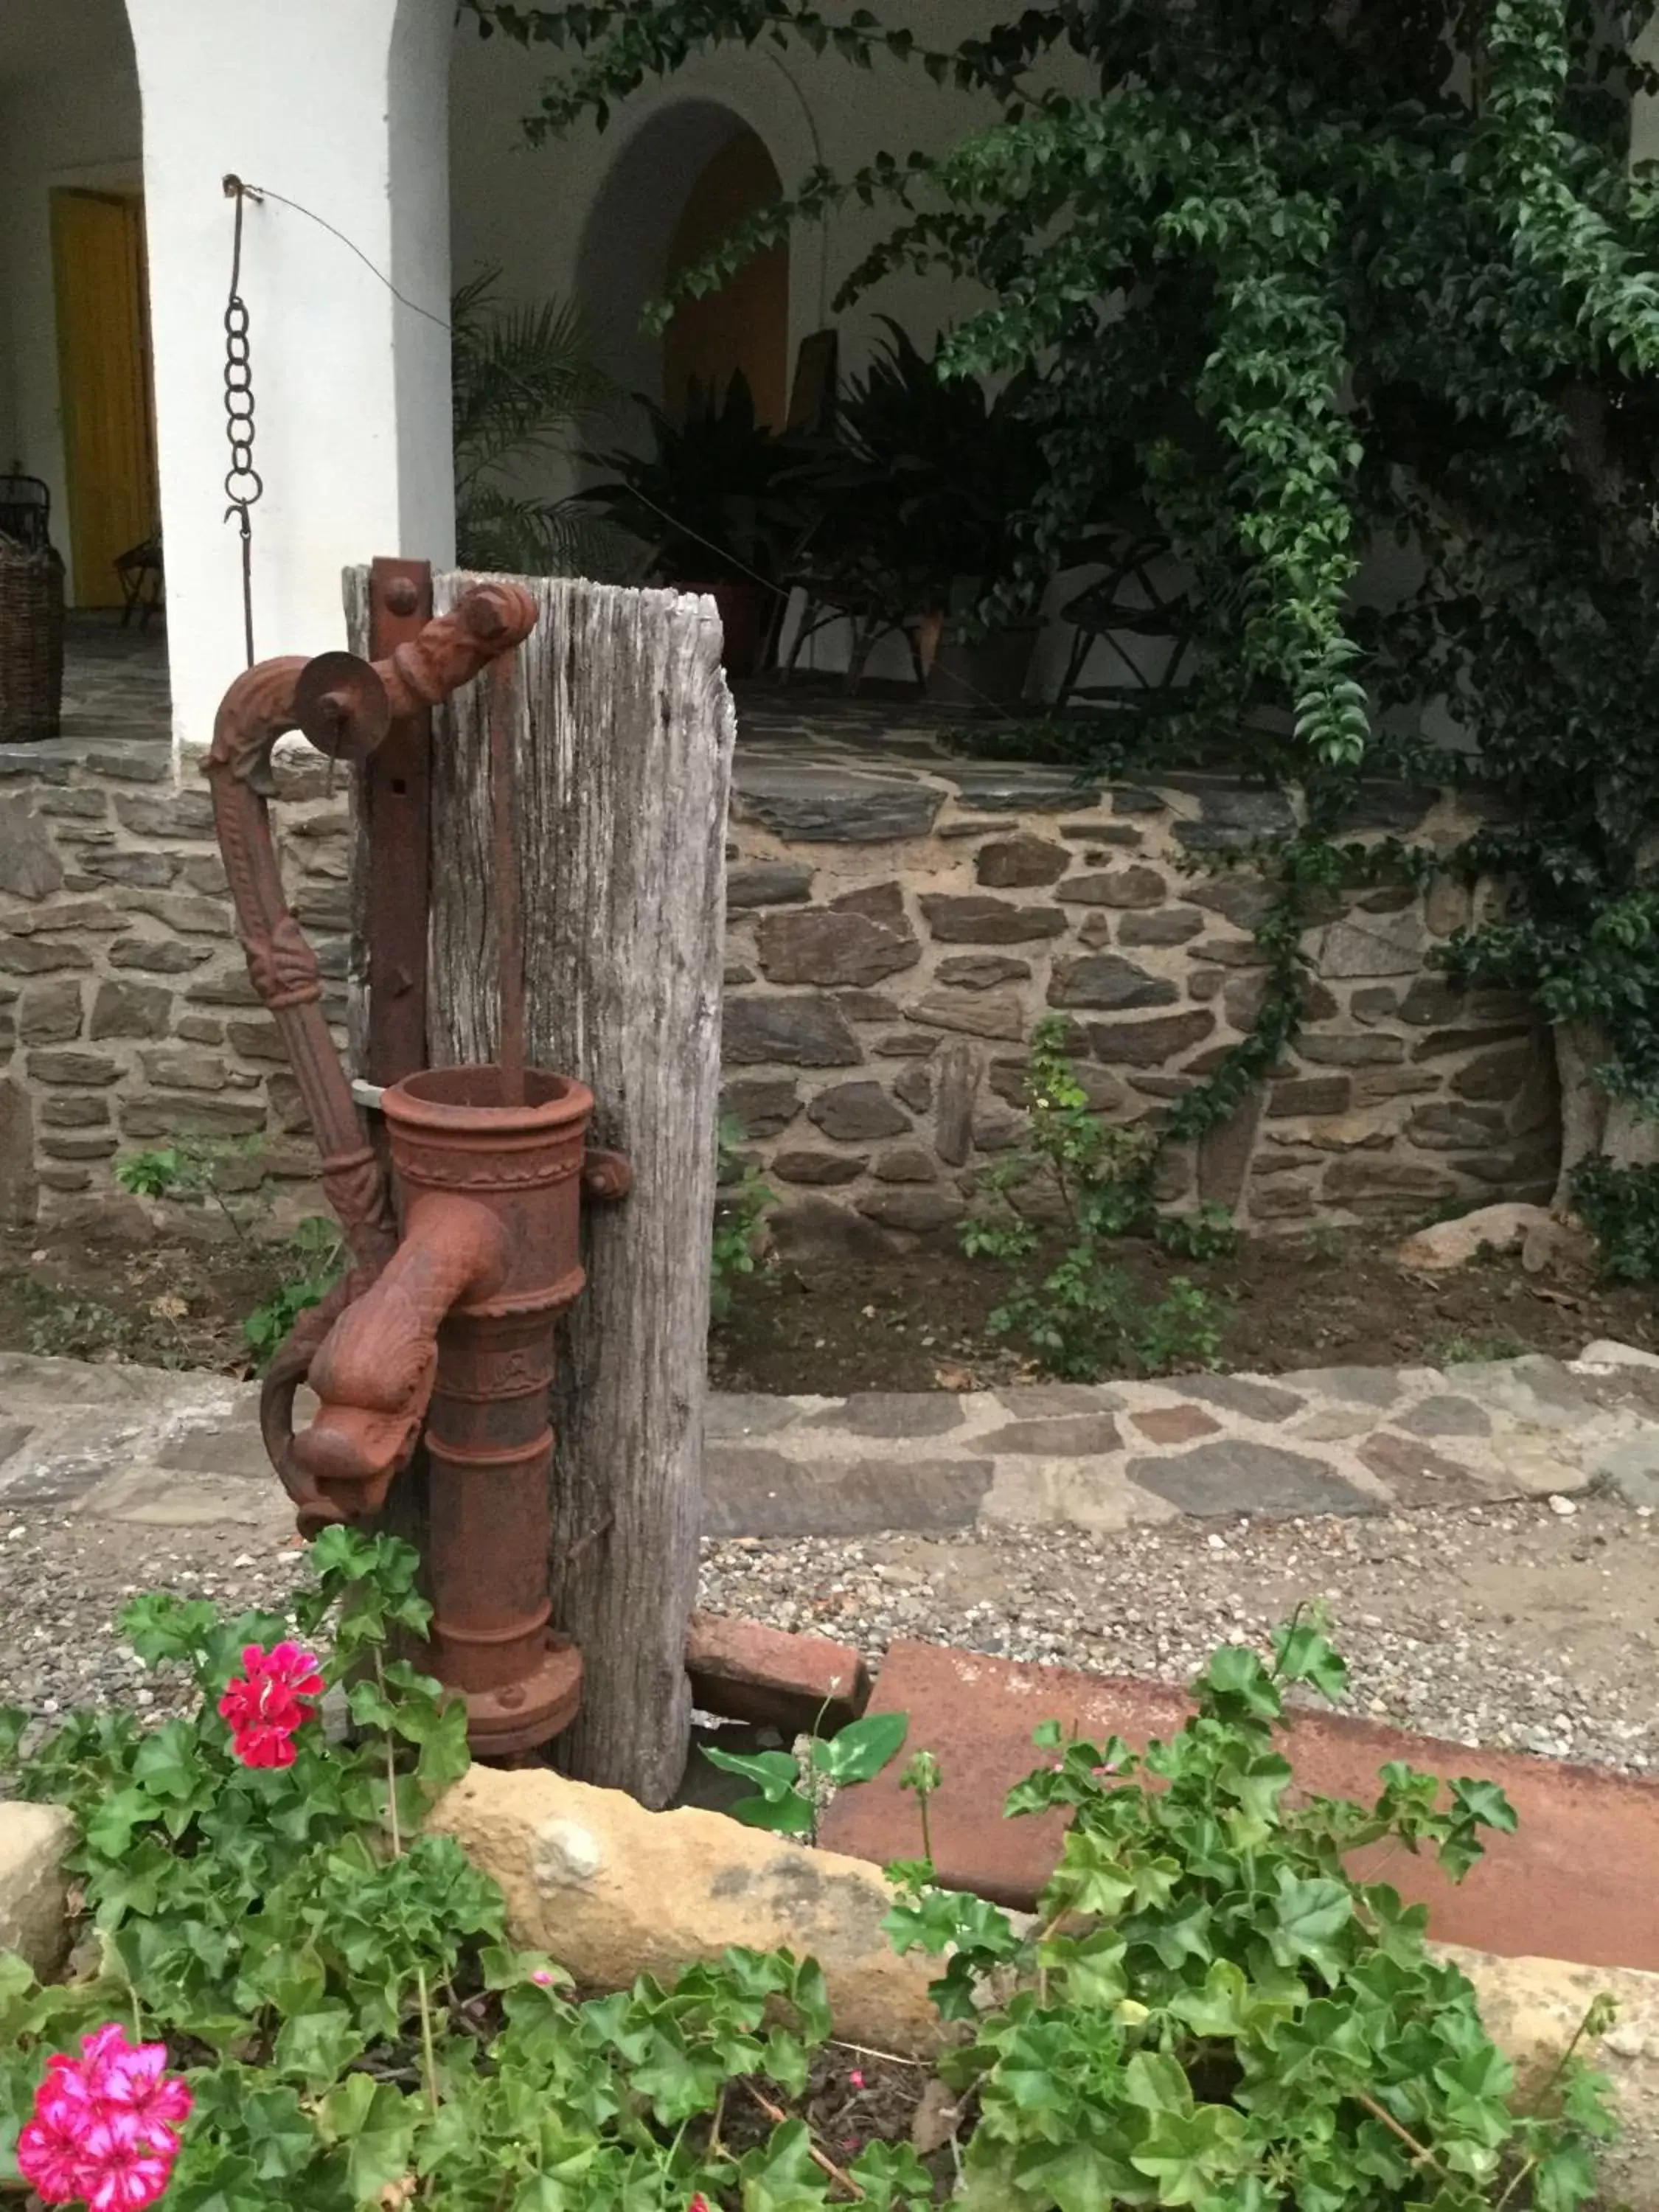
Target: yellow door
104, 373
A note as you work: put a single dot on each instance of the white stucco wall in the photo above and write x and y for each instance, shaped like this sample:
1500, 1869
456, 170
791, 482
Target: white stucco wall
55, 129
323, 105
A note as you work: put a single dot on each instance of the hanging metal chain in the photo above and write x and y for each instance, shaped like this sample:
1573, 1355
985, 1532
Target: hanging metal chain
243, 483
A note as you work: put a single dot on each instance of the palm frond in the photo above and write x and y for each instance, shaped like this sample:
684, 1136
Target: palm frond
497, 531
523, 376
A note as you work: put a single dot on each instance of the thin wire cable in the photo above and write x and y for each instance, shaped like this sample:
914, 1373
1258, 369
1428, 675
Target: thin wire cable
265, 191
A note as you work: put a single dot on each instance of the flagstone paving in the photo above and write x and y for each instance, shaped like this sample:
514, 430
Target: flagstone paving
143, 1445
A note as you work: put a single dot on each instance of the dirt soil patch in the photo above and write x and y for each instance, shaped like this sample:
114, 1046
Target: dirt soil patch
912, 1322
95, 1292
918, 1323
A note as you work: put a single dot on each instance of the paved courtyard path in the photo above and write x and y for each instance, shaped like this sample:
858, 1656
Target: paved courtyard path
1486, 1539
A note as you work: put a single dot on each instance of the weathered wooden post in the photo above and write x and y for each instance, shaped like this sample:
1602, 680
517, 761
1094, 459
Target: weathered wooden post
623, 730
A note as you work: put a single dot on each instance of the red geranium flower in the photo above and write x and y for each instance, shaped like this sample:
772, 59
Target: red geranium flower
276, 1692
104, 2129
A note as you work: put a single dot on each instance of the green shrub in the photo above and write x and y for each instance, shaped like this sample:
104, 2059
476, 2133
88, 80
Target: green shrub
1208, 2012
1085, 1314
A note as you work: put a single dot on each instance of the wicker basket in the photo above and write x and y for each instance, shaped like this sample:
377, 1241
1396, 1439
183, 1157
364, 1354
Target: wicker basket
31, 642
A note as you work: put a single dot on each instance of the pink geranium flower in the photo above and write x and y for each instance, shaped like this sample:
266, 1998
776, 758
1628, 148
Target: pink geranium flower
266, 1703
104, 2128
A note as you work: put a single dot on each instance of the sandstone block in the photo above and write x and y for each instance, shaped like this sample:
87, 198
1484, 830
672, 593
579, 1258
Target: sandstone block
34, 1839
1135, 886
1106, 980
1149, 1044
50, 1014
909, 1207
768, 883
125, 1009
909, 1164
20, 1194
158, 956
990, 1014
980, 971
802, 1032
612, 1890
1372, 944
30, 868
763, 1104
1452, 1243
802, 1164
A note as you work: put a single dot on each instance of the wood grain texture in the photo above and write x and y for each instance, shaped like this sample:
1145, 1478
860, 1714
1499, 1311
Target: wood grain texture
624, 731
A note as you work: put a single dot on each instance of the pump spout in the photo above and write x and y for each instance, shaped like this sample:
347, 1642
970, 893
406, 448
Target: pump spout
374, 1372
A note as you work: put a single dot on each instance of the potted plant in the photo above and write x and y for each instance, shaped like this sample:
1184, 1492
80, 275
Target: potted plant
721, 503
929, 474
524, 383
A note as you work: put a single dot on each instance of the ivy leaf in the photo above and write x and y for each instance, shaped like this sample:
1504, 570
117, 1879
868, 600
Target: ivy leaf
1236, 1681
1485, 1804
1307, 1914
1302, 1653
1188, 2153
1158, 2083
376, 2124
317, 2045
779, 2176
860, 1751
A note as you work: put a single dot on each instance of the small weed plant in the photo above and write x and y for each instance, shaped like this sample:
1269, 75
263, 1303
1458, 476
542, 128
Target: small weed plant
1085, 1314
326, 2010
791, 1786
743, 1202
216, 1172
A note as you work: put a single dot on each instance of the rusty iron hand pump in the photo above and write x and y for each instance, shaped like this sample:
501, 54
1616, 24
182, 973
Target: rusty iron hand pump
448, 1325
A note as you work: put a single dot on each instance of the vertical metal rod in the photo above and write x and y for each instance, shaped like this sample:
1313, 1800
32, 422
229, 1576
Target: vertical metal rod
509, 930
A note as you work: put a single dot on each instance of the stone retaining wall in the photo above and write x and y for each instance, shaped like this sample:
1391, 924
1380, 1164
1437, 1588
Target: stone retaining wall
126, 1016
899, 924
895, 936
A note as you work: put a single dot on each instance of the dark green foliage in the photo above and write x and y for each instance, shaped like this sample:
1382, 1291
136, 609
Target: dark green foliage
1301, 285
742, 1200
1212, 2012
1620, 1207
719, 499
924, 480
524, 386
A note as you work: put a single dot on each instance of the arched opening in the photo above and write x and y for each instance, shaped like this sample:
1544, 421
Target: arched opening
689, 172
745, 327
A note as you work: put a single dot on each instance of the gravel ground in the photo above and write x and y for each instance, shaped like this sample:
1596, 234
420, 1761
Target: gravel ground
1517, 1627
1520, 1627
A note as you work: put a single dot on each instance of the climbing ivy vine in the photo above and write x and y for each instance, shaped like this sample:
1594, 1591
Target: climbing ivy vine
1360, 299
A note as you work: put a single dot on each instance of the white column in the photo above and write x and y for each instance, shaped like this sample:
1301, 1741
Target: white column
341, 109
